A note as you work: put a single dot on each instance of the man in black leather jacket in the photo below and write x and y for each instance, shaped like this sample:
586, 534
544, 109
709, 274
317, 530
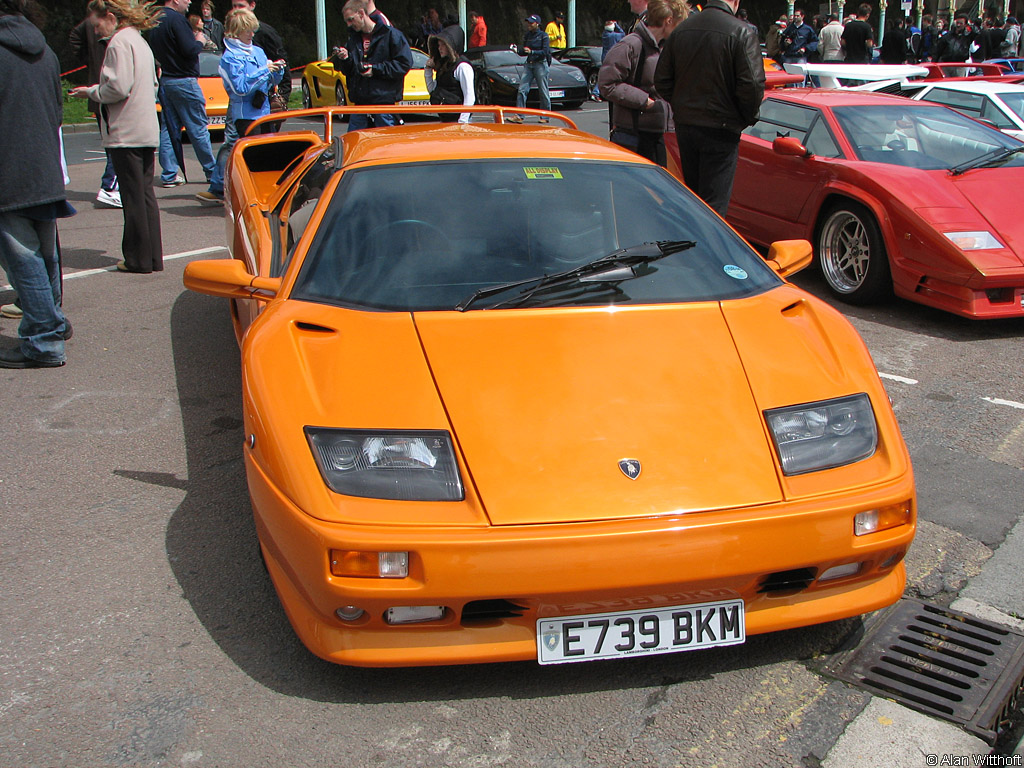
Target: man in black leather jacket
711, 72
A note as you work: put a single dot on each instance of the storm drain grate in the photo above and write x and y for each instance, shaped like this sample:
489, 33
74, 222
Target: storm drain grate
943, 663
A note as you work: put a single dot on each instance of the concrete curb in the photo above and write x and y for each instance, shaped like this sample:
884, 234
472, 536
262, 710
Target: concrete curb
90, 127
888, 734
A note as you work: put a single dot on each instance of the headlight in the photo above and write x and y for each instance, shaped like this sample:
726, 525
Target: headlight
823, 435
386, 464
974, 241
514, 79
578, 76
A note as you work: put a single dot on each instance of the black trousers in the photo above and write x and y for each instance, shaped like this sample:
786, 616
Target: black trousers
708, 158
141, 243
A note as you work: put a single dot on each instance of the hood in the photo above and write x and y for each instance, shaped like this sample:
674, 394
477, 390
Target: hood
545, 405
452, 36
20, 35
1001, 211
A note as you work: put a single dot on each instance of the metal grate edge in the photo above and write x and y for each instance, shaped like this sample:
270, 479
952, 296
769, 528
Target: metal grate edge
941, 662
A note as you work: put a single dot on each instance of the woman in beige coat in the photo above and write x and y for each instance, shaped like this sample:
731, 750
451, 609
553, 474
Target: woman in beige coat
126, 93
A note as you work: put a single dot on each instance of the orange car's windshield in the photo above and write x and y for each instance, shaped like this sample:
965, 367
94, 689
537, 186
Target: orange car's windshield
426, 236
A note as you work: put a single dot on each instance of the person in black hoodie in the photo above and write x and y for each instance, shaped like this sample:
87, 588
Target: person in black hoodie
374, 61
449, 76
32, 196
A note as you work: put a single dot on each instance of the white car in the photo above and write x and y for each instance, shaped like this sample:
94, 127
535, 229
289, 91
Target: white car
859, 76
1000, 104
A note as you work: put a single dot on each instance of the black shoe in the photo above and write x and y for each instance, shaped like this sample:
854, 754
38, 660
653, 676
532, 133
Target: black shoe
12, 358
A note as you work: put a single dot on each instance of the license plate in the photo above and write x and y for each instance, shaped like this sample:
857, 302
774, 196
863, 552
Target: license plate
419, 103
556, 94
568, 639
217, 119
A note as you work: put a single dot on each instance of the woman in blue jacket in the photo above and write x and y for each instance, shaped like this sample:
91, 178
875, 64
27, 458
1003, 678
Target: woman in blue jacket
248, 78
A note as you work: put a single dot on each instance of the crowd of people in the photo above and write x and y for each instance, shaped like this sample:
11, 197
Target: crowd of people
827, 38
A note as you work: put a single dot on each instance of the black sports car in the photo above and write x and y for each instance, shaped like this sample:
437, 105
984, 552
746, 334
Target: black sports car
586, 57
499, 71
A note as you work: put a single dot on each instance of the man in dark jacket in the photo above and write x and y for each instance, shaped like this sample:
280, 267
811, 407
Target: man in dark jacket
177, 52
374, 61
32, 195
710, 70
799, 40
955, 45
536, 47
90, 49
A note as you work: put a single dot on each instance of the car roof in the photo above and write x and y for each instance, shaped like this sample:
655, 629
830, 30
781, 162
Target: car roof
979, 86
423, 142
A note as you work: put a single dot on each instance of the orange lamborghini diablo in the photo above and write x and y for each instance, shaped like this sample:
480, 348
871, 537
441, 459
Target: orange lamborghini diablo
512, 392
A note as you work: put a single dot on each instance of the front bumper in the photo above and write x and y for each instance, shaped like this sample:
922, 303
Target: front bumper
568, 569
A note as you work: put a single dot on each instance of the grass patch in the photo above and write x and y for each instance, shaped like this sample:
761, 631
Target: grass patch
75, 110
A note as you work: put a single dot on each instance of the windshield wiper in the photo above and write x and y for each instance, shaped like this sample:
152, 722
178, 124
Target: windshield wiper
613, 267
989, 157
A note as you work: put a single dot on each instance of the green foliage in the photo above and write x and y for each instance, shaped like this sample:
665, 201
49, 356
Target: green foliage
75, 110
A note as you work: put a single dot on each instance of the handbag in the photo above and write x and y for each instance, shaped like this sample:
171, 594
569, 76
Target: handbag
278, 103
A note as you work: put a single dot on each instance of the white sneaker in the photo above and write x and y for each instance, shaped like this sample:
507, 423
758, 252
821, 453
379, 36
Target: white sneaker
110, 199
12, 311
177, 182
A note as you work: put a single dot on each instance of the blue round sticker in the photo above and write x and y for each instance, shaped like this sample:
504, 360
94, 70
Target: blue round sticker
733, 271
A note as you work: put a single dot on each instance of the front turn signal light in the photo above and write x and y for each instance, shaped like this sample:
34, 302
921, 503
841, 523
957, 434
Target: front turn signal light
881, 519
369, 565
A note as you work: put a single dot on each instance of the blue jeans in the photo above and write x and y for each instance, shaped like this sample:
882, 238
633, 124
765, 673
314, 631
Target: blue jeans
28, 253
184, 106
168, 162
230, 137
356, 122
534, 71
109, 180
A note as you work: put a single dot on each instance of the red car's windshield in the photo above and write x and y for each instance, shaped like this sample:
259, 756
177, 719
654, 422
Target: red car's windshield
920, 136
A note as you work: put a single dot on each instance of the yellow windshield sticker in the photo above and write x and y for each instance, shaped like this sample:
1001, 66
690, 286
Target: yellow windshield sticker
542, 173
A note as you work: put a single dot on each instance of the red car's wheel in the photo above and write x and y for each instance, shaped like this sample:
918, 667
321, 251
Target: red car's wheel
851, 254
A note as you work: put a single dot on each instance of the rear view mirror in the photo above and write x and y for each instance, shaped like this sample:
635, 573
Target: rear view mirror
228, 278
787, 257
790, 147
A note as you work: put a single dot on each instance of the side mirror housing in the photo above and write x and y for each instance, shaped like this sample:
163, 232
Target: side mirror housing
787, 257
790, 147
229, 279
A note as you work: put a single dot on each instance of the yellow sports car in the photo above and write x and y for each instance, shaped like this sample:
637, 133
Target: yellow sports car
553, 409
324, 86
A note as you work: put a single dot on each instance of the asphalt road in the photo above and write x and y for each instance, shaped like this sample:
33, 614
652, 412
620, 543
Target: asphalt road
140, 628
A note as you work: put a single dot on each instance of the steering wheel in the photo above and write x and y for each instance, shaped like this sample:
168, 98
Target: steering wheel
417, 232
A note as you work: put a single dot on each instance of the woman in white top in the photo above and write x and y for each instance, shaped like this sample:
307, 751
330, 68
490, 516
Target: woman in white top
448, 75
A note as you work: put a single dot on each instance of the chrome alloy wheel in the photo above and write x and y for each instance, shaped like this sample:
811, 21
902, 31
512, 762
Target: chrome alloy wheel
845, 251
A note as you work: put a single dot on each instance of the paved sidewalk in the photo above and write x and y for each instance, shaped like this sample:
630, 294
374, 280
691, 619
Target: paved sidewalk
891, 735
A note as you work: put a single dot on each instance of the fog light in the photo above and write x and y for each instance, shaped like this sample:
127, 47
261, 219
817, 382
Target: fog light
893, 559
839, 571
411, 614
384, 565
349, 613
881, 519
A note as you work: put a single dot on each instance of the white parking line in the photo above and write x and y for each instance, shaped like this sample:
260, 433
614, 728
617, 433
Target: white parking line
1000, 401
112, 268
900, 379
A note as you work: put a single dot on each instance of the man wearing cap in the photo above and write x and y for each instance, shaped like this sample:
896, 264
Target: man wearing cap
556, 31
537, 50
